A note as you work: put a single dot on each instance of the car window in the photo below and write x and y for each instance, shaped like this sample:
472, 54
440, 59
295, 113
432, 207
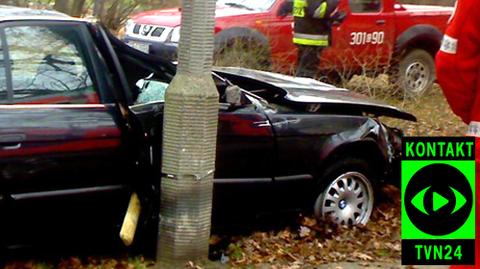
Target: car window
151, 91
3, 77
364, 6
48, 66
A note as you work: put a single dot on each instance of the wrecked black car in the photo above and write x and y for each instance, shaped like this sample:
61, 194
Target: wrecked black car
81, 130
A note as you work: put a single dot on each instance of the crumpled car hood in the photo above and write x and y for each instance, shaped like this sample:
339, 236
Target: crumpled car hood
310, 91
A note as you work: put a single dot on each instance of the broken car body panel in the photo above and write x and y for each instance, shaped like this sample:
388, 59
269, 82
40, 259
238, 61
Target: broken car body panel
310, 91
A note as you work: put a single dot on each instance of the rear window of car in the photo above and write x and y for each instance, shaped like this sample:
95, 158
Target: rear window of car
365, 6
48, 65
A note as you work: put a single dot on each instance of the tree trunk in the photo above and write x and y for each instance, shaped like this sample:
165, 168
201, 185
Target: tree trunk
98, 8
62, 6
18, 3
77, 8
189, 142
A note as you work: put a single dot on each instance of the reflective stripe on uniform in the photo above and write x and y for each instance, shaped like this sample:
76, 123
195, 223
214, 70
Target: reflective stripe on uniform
474, 129
309, 36
299, 8
321, 11
310, 42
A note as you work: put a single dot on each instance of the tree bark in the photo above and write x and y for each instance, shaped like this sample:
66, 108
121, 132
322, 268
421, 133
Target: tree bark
62, 6
189, 142
98, 8
19, 3
77, 8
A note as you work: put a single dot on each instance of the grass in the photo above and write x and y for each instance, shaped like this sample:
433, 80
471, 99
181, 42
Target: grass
435, 118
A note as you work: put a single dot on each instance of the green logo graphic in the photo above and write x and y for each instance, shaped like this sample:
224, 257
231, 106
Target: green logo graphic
438, 201
418, 200
461, 200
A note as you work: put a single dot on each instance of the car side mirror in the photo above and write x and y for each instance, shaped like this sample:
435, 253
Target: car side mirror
286, 8
233, 95
338, 18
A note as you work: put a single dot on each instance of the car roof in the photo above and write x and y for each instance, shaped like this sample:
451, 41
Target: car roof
11, 13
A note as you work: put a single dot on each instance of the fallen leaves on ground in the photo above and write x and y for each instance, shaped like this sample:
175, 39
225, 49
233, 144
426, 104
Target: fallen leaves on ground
314, 243
88, 263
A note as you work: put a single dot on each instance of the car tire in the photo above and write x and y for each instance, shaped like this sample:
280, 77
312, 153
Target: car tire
416, 73
346, 196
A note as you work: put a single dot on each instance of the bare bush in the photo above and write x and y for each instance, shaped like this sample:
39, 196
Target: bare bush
115, 13
243, 53
40, 4
368, 72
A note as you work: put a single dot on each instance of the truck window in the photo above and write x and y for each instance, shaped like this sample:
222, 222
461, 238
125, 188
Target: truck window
48, 66
365, 6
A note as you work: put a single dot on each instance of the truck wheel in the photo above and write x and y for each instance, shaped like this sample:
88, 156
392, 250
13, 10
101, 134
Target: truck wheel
244, 53
348, 197
416, 73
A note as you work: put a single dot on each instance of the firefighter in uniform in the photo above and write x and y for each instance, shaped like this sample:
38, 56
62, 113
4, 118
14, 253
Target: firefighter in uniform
312, 21
458, 72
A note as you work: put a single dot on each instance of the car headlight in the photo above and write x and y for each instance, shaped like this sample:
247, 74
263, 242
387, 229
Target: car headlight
129, 26
175, 36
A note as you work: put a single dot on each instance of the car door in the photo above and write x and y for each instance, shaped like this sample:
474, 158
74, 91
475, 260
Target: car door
279, 31
365, 39
63, 161
244, 161
3, 193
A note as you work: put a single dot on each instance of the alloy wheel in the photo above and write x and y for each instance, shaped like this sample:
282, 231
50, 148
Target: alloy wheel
348, 200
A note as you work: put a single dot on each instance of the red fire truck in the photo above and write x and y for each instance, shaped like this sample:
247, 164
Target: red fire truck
377, 35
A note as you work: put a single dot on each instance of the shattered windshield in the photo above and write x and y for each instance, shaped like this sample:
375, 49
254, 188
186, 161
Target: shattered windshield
248, 4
